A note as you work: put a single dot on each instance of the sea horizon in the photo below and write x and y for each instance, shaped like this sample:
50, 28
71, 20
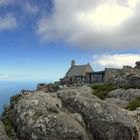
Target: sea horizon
10, 88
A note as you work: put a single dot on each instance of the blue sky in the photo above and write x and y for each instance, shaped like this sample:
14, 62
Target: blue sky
38, 38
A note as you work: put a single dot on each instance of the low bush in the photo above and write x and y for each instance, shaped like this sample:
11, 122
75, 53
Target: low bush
102, 90
134, 104
8, 125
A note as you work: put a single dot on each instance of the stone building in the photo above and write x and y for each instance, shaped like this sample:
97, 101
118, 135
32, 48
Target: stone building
77, 73
84, 74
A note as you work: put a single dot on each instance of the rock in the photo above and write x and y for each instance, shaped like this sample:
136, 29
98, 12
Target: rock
123, 94
138, 109
48, 87
41, 86
3, 135
25, 92
7, 107
117, 102
130, 78
103, 121
134, 81
136, 118
41, 116
72, 114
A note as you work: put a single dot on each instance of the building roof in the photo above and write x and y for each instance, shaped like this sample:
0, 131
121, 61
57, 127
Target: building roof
79, 70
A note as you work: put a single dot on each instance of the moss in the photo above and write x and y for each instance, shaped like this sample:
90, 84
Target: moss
8, 126
102, 90
134, 104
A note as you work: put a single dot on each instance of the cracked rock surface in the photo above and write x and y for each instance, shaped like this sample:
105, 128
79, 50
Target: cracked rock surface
72, 114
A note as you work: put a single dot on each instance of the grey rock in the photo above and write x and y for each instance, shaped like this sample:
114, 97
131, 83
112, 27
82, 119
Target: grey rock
126, 78
123, 94
40, 117
72, 114
3, 135
136, 118
48, 87
104, 121
138, 109
7, 107
117, 102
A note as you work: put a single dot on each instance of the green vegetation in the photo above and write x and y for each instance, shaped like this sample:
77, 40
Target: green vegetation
8, 125
134, 104
102, 90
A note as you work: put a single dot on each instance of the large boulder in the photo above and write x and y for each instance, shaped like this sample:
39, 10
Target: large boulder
3, 135
123, 94
117, 102
136, 118
40, 116
134, 81
104, 121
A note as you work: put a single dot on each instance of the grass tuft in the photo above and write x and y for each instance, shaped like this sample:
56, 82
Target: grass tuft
102, 90
134, 104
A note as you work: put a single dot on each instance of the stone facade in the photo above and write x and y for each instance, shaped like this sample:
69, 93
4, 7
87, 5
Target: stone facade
77, 73
127, 76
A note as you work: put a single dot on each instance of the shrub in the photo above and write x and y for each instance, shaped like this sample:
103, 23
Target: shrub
102, 90
8, 125
134, 104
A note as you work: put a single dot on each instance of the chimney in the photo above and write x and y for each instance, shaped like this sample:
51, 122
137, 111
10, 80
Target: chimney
137, 65
72, 63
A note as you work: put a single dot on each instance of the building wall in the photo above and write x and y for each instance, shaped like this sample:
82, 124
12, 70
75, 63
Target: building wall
112, 73
109, 73
125, 77
95, 77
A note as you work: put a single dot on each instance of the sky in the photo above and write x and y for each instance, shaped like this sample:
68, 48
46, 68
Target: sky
39, 38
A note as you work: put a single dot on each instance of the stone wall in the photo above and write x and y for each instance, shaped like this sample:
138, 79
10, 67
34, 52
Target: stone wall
125, 77
110, 72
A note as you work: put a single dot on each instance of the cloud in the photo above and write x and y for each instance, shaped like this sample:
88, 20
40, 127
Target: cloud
14, 76
31, 9
3, 76
115, 60
97, 24
7, 22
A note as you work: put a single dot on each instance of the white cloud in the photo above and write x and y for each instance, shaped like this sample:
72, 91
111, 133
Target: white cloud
3, 76
115, 60
13, 76
86, 24
7, 22
30, 9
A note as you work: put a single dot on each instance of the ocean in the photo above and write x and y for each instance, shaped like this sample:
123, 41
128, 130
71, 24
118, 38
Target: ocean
10, 88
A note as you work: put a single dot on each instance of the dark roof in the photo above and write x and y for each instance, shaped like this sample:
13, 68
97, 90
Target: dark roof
97, 72
79, 70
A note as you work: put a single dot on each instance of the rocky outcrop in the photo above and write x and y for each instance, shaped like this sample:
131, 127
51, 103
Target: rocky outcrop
117, 102
125, 94
104, 122
70, 114
3, 135
48, 87
136, 118
125, 81
41, 116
